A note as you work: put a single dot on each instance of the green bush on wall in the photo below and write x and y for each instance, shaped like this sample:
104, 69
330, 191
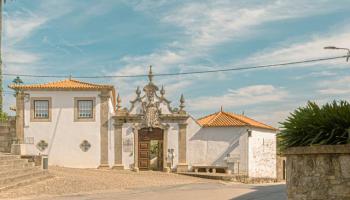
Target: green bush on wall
314, 125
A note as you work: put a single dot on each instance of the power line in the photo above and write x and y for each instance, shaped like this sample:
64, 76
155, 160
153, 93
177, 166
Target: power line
183, 73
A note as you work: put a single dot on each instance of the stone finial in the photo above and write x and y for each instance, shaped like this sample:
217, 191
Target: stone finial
17, 80
182, 102
162, 91
119, 102
150, 74
138, 91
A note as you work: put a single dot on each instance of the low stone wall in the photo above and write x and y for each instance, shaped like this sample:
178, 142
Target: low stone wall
7, 135
318, 172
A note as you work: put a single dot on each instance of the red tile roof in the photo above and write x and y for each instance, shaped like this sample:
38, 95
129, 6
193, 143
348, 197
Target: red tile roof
68, 84
227, 119
64, 84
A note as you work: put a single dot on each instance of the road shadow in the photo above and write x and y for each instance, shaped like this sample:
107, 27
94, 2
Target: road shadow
270, 192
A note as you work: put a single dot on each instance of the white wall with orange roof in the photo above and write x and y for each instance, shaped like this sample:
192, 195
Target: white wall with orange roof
62, 134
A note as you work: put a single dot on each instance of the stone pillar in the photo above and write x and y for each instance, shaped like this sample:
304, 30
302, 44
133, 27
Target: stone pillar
165, 150
20, 116
136, 150
118, 146
104, 129
16, 147
182, 166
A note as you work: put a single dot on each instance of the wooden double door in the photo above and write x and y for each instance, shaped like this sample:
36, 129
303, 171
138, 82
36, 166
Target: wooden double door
150, 151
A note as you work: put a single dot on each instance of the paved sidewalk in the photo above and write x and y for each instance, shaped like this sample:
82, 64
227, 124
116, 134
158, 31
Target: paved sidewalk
72, 181
196, 191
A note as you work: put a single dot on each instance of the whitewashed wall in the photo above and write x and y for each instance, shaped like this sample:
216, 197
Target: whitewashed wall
262, 154
111, 112
210, 146
62, 134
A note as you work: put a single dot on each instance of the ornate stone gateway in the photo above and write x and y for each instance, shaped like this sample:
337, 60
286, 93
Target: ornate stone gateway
150, 116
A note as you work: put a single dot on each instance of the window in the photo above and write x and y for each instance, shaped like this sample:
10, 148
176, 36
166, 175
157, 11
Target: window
85, 109
40, 109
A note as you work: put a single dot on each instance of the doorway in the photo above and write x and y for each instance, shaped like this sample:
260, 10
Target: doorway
150, 149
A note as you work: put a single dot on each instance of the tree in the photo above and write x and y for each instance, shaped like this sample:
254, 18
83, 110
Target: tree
315, 125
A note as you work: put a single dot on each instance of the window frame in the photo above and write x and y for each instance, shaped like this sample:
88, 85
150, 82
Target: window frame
76, 109
32, 109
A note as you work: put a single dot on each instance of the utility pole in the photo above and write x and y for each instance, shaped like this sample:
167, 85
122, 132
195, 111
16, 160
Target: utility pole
1, 95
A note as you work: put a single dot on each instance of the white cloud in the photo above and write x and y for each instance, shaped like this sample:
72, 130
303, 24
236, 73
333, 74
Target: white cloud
250, 95
18, 28
19, 57
309, 49
211, 23
316, 75
207, 24
339, 86
272, 118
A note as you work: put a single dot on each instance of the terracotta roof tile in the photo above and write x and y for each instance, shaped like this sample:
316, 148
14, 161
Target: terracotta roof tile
65, 84
227, 119
68, 84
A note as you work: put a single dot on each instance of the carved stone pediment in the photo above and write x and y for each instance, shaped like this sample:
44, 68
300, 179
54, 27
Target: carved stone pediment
150, 105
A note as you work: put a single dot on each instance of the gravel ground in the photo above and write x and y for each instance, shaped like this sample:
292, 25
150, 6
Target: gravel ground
72, 181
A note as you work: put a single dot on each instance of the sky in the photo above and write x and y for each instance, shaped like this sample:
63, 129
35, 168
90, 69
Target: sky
110, 37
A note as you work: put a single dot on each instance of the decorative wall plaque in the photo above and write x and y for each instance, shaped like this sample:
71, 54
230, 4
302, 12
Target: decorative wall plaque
85, 146
42, 145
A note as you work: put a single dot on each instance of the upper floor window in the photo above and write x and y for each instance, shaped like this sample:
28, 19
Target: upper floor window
84, 108
40, 109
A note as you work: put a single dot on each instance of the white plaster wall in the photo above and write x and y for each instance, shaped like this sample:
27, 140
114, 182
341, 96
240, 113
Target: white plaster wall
173, 142
262, 154
63, 135
128, 156
210, 145
111, 112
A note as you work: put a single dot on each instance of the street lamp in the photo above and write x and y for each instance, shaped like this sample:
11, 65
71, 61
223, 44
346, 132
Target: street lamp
338, 48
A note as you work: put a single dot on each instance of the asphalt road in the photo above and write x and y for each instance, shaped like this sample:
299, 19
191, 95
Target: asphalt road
200, 191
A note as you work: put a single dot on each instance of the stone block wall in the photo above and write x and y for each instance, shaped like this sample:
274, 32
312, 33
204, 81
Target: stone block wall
318, 172
7, 135
281, 167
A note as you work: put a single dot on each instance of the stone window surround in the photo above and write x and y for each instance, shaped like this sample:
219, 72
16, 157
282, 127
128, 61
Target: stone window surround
32, 112
76, 111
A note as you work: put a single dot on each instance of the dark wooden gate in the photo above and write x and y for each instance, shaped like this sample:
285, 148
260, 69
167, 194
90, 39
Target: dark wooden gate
145, 136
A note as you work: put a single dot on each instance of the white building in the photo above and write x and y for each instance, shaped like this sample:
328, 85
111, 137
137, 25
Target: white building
83, 125
245, 145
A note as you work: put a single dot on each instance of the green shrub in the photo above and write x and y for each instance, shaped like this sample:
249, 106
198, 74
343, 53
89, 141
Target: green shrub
314, 125
3, 117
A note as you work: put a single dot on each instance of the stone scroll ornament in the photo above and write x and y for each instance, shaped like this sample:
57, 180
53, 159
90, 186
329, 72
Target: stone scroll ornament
42, 145
85, 146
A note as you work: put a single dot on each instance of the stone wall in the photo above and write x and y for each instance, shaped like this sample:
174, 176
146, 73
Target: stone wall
281, 167
318, 172
7, 135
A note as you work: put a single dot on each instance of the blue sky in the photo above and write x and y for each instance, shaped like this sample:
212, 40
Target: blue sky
108, 37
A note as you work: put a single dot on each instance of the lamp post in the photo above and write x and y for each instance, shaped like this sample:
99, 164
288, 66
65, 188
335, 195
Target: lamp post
339, 48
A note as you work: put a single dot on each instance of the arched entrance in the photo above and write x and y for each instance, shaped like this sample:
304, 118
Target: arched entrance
150, 151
